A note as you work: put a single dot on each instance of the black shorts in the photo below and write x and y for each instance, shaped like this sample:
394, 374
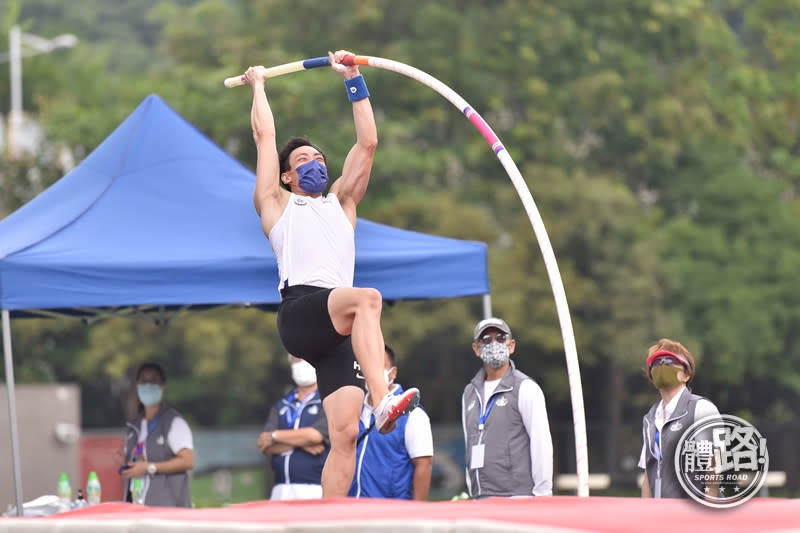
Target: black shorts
306, 331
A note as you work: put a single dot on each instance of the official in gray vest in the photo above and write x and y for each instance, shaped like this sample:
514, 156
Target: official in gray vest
509, 451
159, 450
670, 367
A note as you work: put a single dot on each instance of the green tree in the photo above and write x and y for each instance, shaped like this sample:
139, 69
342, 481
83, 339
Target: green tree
658, 139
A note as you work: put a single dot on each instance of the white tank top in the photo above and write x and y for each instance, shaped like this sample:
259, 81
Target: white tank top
314, 243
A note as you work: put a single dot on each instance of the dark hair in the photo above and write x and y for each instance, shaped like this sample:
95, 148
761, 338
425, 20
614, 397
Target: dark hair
291, 145
151, 366
390, 353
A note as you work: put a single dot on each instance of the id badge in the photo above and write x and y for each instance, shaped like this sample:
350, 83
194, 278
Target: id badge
476, 460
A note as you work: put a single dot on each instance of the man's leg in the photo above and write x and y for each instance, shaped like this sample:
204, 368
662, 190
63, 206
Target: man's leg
343, 409
357, 312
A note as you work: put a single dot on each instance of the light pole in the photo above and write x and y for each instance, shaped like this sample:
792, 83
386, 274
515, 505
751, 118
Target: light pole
34, 45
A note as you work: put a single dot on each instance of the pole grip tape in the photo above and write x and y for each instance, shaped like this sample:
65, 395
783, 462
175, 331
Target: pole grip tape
316, 62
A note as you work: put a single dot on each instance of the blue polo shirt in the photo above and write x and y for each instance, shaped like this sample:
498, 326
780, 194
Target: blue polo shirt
383, 466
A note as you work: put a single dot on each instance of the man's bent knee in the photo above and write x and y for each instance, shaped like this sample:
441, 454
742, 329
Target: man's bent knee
370, 298
348, 300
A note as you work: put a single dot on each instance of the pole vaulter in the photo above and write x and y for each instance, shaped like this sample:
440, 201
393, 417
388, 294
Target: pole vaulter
573, 369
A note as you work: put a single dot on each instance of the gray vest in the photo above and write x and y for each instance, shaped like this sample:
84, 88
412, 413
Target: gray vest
506, 467
165, 490
661, 474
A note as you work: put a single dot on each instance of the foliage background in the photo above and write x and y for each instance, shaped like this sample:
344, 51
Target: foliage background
658, 138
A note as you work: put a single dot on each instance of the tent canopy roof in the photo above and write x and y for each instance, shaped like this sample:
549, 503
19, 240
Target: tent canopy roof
159, 215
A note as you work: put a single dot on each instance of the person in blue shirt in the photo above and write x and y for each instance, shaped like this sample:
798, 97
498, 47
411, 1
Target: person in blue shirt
296, 435
397, 464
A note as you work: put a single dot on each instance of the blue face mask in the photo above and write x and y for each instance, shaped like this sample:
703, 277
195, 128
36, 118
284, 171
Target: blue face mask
313, 177
149, 393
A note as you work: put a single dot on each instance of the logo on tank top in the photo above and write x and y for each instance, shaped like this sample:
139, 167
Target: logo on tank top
676, 426
300, 201
502, 402
313, 410
160, 440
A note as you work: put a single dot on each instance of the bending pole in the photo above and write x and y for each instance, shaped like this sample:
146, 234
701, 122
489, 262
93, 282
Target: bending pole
573, 369
12, 411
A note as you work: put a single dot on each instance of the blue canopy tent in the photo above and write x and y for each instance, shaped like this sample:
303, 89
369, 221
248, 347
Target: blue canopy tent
158, 219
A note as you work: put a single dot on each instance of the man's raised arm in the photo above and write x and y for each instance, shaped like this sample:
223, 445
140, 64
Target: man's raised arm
267, 191
350, 188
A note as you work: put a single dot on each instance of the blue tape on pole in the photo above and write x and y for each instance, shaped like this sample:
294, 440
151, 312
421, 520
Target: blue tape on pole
316, 62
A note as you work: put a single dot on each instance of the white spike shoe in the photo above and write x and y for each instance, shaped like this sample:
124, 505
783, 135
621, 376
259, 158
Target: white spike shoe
393, 406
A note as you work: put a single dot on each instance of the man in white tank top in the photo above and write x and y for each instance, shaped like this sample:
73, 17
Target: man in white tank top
321, 313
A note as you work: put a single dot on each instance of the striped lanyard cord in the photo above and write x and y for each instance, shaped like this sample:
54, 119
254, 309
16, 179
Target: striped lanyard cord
139, 450
485, 415
295, 408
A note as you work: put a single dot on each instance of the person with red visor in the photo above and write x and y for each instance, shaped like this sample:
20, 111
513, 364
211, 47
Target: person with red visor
670, 368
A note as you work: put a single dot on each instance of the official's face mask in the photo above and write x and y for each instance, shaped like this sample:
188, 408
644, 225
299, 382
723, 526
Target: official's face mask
149, 393
666, 377
303, 374
494, 354
385, 378
313, 177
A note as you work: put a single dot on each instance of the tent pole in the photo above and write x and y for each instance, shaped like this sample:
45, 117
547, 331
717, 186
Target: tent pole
487, 305
12, 411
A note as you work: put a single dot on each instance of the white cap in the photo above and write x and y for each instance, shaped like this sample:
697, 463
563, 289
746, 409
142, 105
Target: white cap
487, 323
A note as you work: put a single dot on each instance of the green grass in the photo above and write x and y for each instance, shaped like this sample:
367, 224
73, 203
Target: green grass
225, 487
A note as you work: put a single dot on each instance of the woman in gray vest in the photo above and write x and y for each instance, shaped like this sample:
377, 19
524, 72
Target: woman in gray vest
158, 447
670, 368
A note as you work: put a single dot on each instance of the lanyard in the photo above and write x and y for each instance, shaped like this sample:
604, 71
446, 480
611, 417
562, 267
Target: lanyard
485, 415
293, 413
658, 435
140, 445
658, 444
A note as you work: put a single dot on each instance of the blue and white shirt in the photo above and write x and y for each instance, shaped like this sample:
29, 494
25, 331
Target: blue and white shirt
297, 465
384, 467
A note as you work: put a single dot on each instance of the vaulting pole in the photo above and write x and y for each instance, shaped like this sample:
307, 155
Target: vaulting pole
567, 335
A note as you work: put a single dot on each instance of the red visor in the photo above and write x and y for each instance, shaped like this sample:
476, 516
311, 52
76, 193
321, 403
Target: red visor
664, 353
